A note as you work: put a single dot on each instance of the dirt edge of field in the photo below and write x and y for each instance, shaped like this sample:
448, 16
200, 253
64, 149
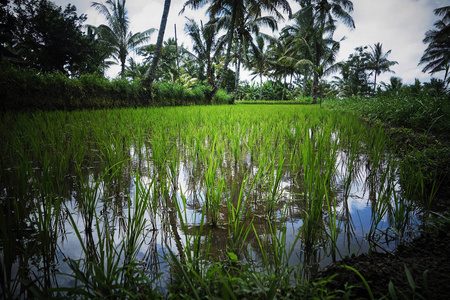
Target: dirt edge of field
419, 268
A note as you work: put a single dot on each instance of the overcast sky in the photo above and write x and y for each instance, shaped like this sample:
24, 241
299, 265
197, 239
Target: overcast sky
400, 25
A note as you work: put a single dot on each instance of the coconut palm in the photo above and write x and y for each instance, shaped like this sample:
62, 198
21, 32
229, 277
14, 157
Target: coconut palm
318, 19
249, 26
205, 46
437, 55
236, 10
159, 43
257, 60
327, 11
116, 34
378, 62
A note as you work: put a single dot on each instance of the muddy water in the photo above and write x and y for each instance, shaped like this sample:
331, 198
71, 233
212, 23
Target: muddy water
114, 198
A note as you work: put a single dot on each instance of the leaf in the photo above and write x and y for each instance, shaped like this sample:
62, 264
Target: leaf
233, 257
392, 290
411, 282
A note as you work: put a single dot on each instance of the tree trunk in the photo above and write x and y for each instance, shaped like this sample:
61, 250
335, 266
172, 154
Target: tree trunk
375, 84
210, 72
162, 28
315, 88
238, 70
228, 54
122, 68
261, 86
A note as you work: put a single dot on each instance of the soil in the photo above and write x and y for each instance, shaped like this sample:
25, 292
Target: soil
428, 255
427, 259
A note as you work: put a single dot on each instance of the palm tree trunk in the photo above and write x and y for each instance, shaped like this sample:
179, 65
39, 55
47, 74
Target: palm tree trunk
210, 72
375, 84
261, 86
315, 88
228, 54
238, 70
122, 67
162, 28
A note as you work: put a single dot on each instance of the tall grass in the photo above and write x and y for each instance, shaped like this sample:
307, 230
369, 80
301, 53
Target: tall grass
215, 186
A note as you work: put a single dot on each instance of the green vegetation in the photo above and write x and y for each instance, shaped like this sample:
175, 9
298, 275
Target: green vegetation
23, 89
221, 185
107, 192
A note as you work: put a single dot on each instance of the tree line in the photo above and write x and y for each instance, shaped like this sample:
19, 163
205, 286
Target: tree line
47, 38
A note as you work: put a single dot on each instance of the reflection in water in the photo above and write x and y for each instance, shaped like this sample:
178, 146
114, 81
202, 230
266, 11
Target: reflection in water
348, 207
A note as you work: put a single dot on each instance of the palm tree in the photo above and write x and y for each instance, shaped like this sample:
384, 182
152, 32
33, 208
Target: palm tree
236, 10
205, 46
326, 11
257, 60
116, 34
281, 61
318, 19
168, 69
378, 62
437, 55
135, 70
159, 43
394, 86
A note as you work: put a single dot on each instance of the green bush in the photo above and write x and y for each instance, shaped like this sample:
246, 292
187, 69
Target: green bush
26, 89
425, 113
222, 97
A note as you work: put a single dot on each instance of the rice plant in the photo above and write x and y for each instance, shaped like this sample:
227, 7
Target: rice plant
217, 186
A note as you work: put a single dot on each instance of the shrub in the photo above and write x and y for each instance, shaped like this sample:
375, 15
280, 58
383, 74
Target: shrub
222, 97
26, 89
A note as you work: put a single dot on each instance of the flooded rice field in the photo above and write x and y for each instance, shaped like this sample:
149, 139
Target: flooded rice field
123, 201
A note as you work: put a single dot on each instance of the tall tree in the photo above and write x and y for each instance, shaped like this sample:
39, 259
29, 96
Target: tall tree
437, 55
378, 62
258, 60
45, 36
320, 15
204, 38
236, 9
116, 34
167, 69
159, 43
355, 79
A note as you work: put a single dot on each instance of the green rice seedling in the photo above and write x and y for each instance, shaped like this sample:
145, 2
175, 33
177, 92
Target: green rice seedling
366, 284
44, 219
276, 253
191, 266
104, 274
10, 232
136, 222
275, 175
151, 203
334, 225
174, 167
239, 222
215, 187
88, 197
108, 269
399, 216
319, 160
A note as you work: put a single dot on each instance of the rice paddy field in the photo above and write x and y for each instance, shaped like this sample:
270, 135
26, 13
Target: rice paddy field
202, 201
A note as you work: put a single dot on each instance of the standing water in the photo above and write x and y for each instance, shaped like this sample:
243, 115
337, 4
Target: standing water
123, 200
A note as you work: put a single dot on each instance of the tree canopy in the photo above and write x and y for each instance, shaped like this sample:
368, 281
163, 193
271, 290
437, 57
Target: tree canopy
46, 37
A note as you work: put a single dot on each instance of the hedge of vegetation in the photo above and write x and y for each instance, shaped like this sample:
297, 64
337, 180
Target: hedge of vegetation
25, 89
425, 112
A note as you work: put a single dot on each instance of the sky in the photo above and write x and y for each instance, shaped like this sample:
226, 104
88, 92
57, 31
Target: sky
399, 25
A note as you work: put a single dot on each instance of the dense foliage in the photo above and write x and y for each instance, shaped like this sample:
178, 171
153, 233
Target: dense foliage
24, 89
41, 35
